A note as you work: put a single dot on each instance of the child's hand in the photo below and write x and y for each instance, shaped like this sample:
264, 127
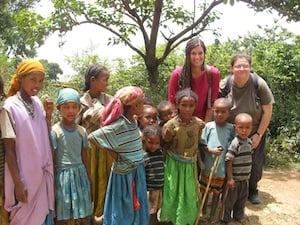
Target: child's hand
255, 141
231, 183
48, 106
21, 192
216, 151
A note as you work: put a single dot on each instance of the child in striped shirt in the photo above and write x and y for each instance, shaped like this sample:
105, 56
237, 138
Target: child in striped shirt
238, 167
154, 166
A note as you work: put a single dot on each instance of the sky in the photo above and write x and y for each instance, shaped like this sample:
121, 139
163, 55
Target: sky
236, 20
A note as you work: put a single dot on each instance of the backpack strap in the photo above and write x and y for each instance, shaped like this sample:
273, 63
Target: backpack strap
209, 80
254, 77
228, 84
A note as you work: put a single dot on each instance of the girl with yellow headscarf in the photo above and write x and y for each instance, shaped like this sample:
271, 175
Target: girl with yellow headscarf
29, 190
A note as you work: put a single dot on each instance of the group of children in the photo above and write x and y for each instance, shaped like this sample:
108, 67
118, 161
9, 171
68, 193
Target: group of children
176, 136
132, 160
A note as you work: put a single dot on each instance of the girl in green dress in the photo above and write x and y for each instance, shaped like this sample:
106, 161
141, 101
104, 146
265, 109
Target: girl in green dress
180, 194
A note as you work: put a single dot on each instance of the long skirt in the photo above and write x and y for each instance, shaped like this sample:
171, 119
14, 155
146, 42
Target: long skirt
126, 200
180, 194
73, 195
100, 164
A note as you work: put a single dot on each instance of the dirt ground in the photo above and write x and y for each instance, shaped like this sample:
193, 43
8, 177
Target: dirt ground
279, 192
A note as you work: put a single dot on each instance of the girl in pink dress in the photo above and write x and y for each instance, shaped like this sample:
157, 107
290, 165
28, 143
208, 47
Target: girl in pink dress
29, 186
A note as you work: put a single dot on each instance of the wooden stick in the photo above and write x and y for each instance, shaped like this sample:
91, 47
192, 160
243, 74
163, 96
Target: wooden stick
212, 171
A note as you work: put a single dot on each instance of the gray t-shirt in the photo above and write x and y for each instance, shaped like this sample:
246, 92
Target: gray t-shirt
243, 99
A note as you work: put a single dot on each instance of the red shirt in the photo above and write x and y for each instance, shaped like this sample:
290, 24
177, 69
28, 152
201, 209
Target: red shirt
199, 86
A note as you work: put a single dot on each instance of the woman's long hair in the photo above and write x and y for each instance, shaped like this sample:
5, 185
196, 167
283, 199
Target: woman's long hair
185, 78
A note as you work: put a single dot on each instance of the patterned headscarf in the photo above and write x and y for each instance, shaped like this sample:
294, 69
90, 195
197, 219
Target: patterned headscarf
126, 96
26, 67
185, 77
67, 95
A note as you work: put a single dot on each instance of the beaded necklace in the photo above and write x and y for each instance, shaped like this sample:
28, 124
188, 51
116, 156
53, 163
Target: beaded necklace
29, 106
185, 123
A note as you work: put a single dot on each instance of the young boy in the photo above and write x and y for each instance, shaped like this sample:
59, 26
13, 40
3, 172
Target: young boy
214, 142
166, 111
238, 167
154, 166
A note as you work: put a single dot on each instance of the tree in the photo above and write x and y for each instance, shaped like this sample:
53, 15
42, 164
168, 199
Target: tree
21, 29
53, 69
127, 19
148, 20
289, 9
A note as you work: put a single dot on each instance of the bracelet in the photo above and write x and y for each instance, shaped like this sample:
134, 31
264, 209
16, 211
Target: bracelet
260, 135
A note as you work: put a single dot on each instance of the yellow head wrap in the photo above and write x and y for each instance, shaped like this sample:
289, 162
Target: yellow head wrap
26, 67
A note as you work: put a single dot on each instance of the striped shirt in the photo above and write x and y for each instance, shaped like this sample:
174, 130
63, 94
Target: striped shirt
240, 152
123, 137
154, 166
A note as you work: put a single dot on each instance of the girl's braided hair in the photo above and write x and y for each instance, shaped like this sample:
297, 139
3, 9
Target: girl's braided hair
186, 93
94, 70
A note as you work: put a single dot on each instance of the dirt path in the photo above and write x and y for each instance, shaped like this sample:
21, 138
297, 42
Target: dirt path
279, 192
280, 199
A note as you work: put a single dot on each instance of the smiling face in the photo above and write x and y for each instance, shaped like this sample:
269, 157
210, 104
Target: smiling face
241, 68
31, 84
197, 56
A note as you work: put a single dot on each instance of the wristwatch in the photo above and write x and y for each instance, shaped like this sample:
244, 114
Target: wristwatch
260, 135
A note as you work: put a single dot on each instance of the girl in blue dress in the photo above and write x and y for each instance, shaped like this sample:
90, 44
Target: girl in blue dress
70, 145
126, 196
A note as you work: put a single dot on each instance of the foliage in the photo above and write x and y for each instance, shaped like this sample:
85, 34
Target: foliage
124, 75
52, 69
21, 29
283, 150
275, 56
148, 20
289, 9
151, 21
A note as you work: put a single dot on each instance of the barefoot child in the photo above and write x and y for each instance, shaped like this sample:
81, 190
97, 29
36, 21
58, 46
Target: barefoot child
180, 193
214, 142
70, 145
238, 167
126, 197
